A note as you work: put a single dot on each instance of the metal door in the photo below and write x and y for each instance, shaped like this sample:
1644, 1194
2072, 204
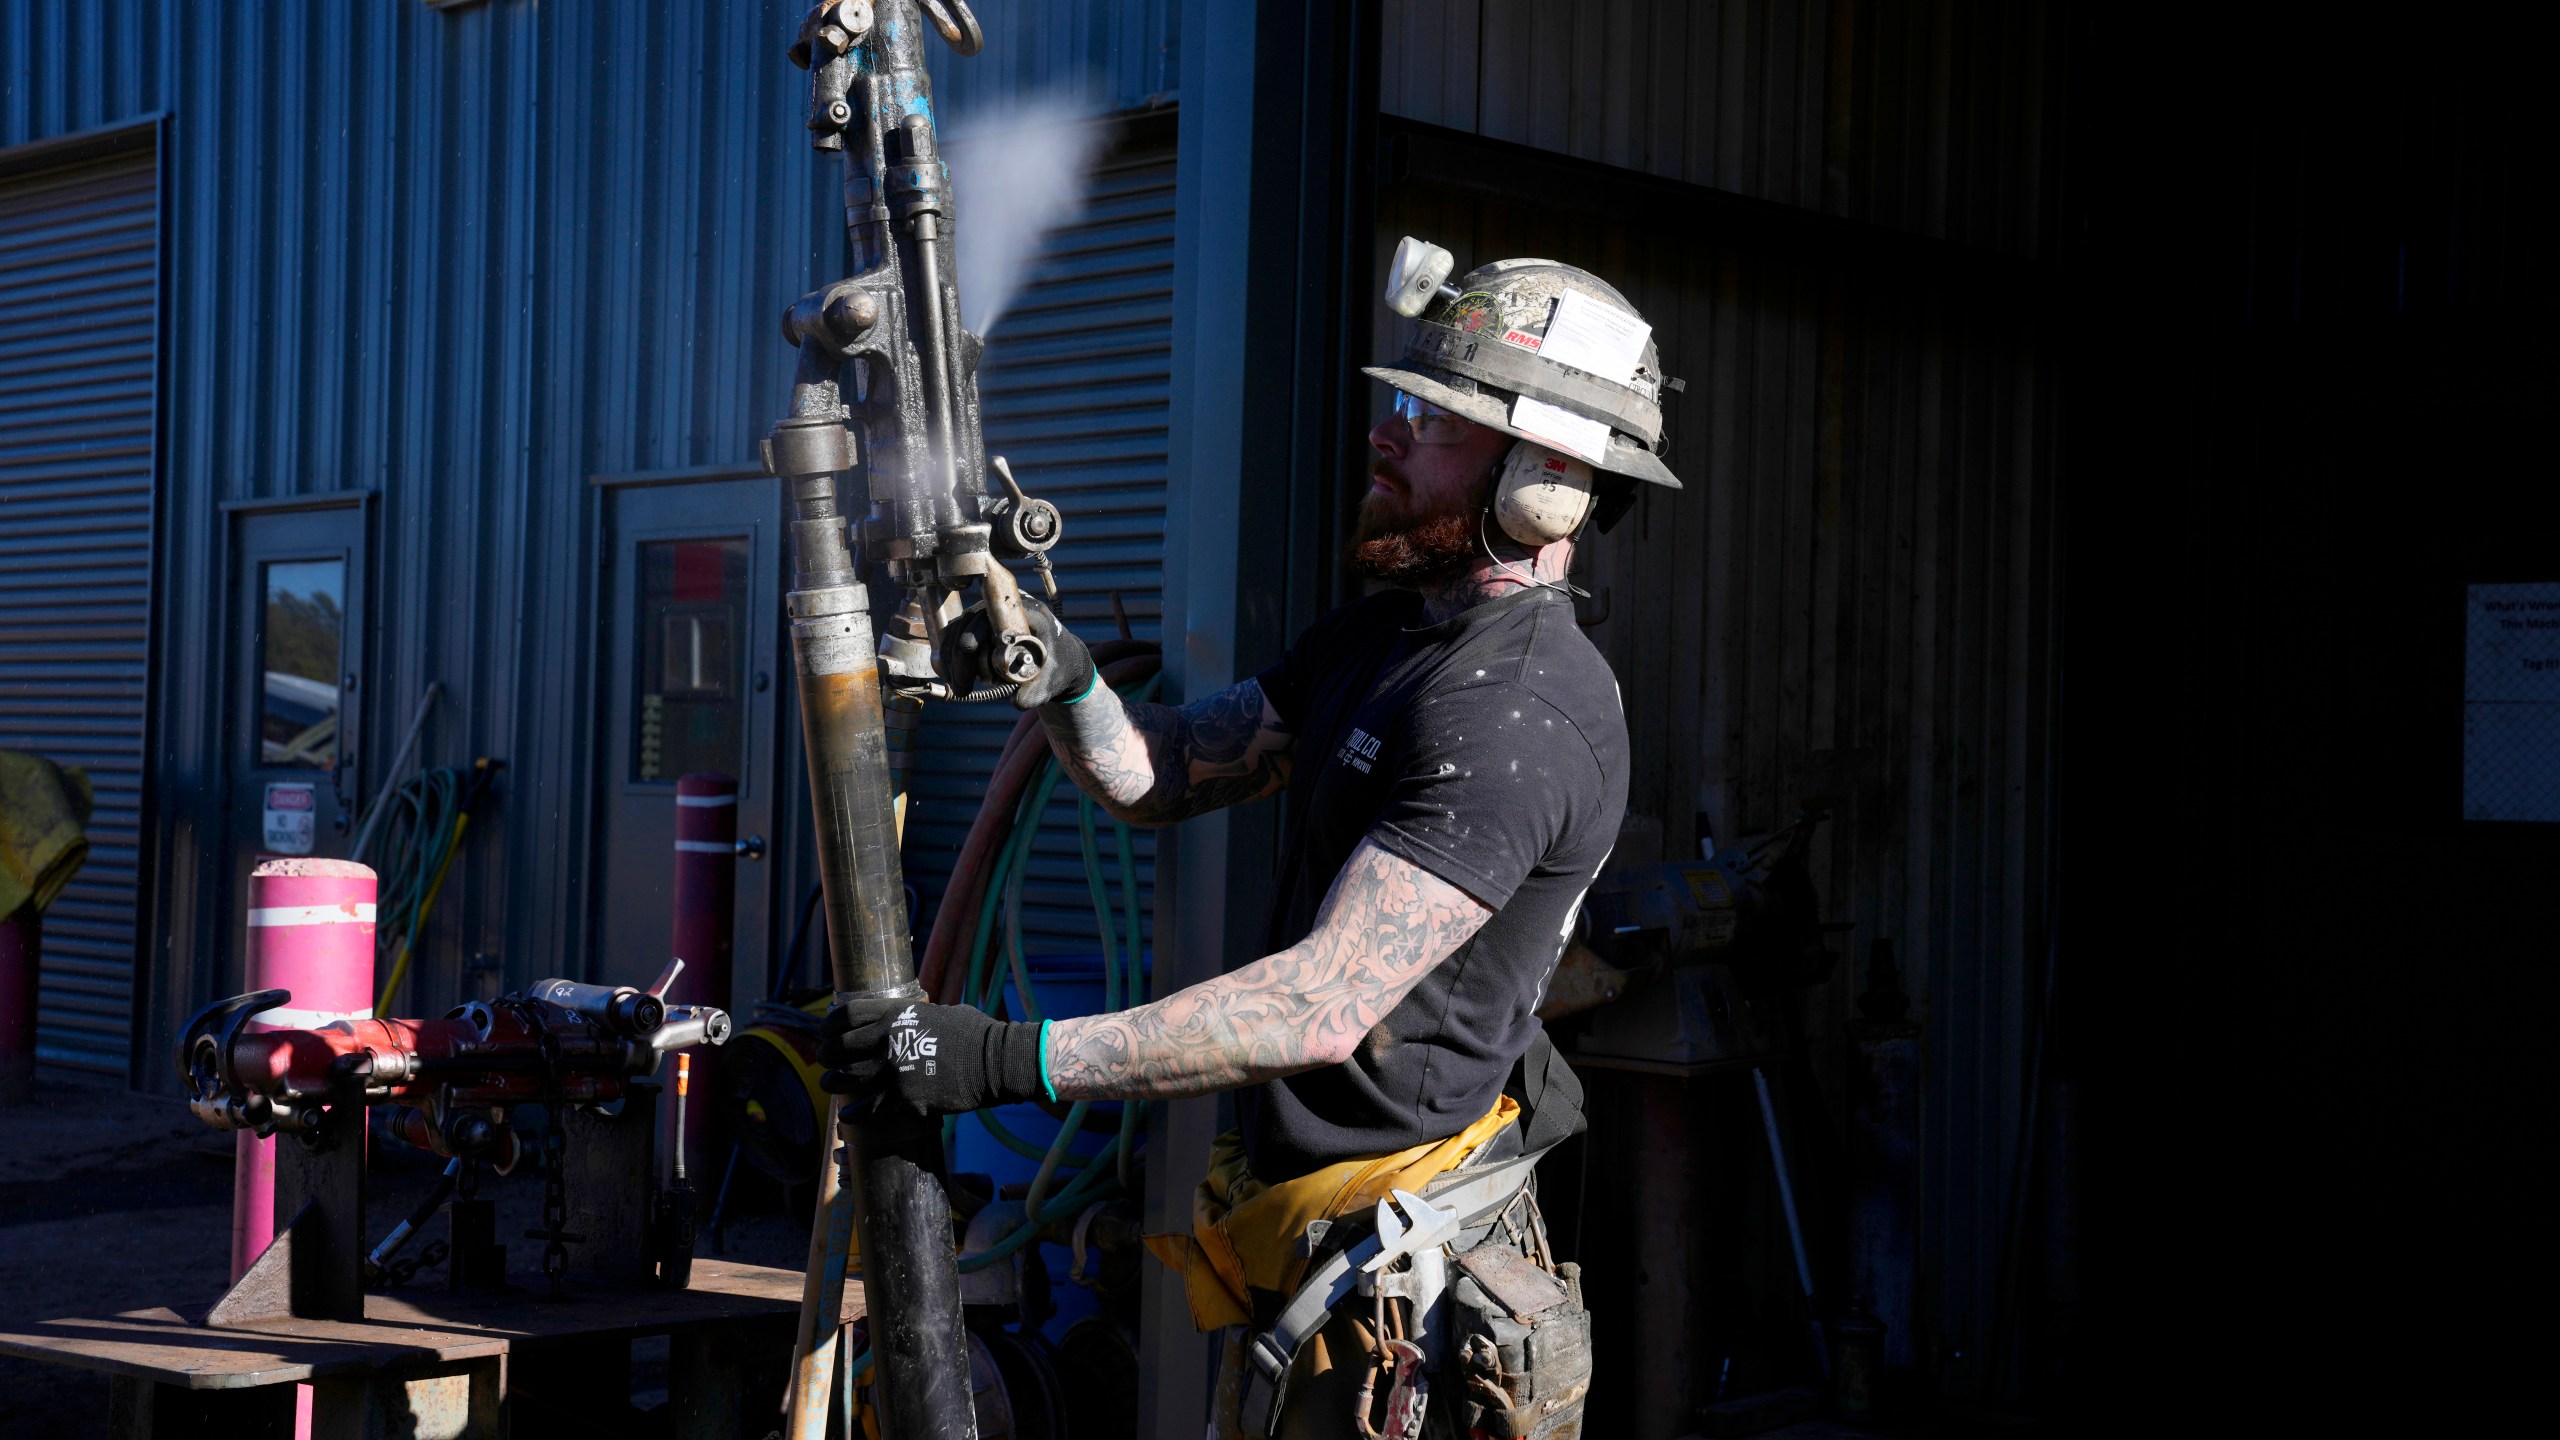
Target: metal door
691, 632
79, 289
296, 686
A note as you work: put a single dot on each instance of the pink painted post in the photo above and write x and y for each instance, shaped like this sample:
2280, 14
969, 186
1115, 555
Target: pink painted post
21, 943
310, 932
706, 886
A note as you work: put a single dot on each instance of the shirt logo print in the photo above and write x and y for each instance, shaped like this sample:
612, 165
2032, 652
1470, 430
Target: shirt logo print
1359, 751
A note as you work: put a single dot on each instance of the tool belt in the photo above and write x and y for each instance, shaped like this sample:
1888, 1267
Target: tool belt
1509, 1340
1248, 1246
1457, 1211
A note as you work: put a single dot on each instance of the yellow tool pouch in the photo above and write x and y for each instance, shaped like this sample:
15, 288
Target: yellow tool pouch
1246, 1235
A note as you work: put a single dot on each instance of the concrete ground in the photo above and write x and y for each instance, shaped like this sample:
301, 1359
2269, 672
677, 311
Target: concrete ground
111, 1201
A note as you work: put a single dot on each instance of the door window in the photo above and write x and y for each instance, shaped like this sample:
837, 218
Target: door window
691, 691
301, 631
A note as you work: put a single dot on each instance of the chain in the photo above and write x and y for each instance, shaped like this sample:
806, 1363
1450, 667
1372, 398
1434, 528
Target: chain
555, 1157
555, 1200
554, 1233
401, 1272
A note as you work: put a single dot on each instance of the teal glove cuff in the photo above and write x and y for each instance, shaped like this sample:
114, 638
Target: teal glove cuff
1090, 686
1045, 1082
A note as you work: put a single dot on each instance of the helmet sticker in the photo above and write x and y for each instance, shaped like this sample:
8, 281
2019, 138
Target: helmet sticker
1597, 337
1561, 428
1474, 313
1528, 310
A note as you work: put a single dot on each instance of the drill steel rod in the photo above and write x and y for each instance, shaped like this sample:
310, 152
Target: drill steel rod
891, 1184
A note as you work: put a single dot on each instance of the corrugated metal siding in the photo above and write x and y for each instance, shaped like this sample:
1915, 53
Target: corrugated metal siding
1926, 117
1854, 582
1096, 54
78, 311
1074, 385
464, 261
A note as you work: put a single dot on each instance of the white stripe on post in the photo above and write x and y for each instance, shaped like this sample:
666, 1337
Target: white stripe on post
704, 802
361, 914
705, 847
288, 1017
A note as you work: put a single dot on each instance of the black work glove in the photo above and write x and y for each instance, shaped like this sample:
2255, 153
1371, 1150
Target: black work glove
970, 658
938, 1059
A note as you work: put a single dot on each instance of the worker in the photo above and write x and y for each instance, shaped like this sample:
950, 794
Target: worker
1455, 760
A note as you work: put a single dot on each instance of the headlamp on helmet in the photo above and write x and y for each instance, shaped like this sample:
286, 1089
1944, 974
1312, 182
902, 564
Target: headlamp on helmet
1416, 276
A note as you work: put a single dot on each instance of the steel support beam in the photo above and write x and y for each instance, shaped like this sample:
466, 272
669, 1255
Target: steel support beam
1274, 178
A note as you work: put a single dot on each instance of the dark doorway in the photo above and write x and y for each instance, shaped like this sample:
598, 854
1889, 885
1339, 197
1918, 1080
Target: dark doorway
690, 632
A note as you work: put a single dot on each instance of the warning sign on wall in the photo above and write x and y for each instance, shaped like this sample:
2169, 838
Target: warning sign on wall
292, 810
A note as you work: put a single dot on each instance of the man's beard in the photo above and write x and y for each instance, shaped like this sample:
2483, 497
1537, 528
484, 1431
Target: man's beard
1394, 545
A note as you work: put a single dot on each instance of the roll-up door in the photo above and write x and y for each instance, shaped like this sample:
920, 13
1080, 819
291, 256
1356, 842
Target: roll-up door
1073, 387
78, 259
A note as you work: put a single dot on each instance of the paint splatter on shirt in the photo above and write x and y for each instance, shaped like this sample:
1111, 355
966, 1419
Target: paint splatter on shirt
1521, 816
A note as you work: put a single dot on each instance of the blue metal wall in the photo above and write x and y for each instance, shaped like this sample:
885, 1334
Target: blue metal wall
463, 260
1106, 54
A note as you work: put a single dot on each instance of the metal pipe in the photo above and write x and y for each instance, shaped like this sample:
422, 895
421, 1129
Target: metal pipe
390, 779
935, 332
437, 1194
1795, 1227
916, 191
892, 1194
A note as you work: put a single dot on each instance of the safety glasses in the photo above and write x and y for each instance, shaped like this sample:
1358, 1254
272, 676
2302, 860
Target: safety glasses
1430, 424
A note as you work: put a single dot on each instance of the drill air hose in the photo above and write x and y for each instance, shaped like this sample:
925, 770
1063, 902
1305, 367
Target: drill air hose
943, 970
1101, 904
1134, 677
1137, 988
1006, 881
1015, 800
424, 834
1017, 853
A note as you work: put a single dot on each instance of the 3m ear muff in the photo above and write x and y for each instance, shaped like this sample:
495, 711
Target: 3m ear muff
1540, 495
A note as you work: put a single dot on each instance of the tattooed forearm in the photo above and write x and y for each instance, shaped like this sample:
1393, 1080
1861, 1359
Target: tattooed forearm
1155, 764
1383, 927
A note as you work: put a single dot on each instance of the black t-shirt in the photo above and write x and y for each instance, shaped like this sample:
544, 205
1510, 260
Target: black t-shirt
1489, 750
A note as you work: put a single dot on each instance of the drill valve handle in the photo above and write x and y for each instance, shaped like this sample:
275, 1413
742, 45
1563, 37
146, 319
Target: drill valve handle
619, 1008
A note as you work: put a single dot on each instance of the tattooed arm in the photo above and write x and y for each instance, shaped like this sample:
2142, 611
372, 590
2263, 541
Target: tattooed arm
1156, 764
1384, 925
